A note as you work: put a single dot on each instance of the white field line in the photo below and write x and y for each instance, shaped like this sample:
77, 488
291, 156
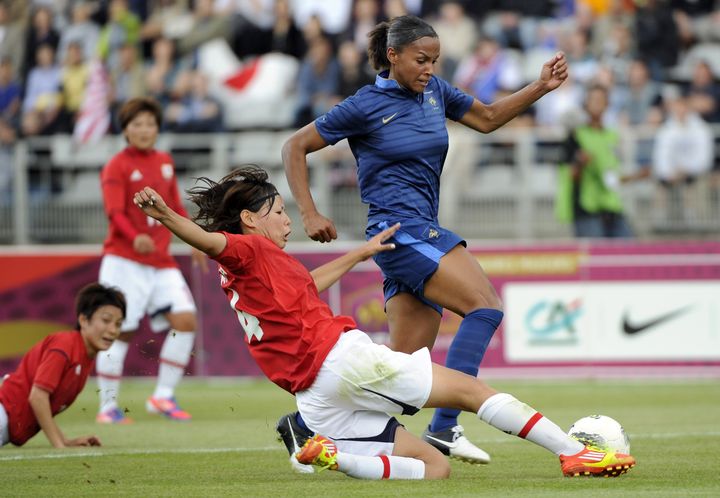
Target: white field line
189, 451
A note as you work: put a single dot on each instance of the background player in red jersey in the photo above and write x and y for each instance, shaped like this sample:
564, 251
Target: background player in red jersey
137, 260
344, 384
54, 371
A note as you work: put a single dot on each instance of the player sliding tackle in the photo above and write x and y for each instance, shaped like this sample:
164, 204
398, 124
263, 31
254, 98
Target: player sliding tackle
344, 384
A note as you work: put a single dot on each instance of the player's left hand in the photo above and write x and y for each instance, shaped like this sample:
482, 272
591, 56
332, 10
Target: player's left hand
199, 259
377, 243
84, 441
554, 72
151, 203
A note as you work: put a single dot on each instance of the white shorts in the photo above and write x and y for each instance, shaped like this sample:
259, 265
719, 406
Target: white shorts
4, 431
148, 291
358, 385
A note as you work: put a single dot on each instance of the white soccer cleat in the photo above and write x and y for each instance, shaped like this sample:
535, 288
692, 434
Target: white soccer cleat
453, 443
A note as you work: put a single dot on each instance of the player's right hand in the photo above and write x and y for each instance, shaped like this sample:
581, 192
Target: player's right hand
150, 202
319, 228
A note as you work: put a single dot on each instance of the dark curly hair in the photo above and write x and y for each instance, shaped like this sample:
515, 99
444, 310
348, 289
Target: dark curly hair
220, 203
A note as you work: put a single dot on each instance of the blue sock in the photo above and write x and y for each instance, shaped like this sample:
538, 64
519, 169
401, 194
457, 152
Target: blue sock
465, 354
300, 421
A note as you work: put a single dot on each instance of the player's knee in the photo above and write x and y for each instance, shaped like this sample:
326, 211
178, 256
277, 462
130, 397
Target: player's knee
437, 468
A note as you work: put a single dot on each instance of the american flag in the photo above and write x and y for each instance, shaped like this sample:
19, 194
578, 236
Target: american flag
93, 119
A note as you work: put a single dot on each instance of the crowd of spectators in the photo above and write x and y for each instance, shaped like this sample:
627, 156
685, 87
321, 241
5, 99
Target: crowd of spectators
489, 48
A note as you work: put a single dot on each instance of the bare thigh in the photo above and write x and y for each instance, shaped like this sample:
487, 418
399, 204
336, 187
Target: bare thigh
454, 389
413, 325
407, 445
460, 284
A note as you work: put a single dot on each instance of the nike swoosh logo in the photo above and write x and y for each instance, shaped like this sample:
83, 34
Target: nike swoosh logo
444, 443
634, 328
387, 119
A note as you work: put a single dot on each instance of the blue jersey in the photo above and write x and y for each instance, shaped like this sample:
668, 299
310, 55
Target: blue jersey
399, 140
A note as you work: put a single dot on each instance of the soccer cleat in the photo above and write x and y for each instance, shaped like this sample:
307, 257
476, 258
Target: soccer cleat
294, 437
453, 443
592, 461
167, 407
318, 451
113, 416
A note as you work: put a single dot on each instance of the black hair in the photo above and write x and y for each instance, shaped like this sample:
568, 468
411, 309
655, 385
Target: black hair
220, 203
95, 295
397, 33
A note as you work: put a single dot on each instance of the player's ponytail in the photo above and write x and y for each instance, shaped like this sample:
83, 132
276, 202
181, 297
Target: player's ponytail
396, 33
220, 203
377, 46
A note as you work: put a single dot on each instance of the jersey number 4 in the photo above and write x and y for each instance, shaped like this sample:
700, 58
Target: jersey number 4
249, 323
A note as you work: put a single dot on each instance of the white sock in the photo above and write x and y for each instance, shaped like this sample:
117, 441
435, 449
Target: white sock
174, 357
380, 467
109, 367
511, 416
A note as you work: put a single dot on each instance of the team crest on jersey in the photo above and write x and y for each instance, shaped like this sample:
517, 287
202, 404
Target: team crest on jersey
166, 170
136, 176
433, 234
433, 102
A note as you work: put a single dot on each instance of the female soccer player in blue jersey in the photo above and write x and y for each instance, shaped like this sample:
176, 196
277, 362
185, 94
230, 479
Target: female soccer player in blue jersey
397, 132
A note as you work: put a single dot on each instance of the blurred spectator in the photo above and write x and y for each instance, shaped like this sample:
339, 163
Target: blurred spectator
657, 37
551, 109
207, 25
334, 16
604, 35
162, 74
122, 28
457, 34
683, 152
589, 178
641, 97
619, 52
707, 27
488, 70
41, 32
9, 114
395, 8
10, 93
355, 72
251, 24
170, 19
583, 63
42, 101
286, 37
365, 15
127, 81
74, 77
12, 39
704, 93
195, 111
318, 82
82, 30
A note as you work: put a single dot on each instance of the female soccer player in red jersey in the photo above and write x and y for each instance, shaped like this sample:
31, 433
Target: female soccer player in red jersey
54, 371
344, 384
137, 260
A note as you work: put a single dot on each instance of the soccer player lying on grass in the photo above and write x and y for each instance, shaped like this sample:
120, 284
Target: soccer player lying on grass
344, 384
54, 371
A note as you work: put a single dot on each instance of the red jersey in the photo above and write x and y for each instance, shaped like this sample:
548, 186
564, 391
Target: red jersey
288, 328
59, 364
127, 172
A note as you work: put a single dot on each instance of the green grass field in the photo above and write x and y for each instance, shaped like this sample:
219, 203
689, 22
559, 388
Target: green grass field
229, 449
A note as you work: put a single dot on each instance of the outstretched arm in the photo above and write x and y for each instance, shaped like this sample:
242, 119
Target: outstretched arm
329, 273
294, 156
153, 205
486, 118
39, 400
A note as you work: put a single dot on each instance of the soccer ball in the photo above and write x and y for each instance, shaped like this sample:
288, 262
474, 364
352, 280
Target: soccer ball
601, 431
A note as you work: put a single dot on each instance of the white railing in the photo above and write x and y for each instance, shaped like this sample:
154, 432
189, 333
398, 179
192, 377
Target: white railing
500, 185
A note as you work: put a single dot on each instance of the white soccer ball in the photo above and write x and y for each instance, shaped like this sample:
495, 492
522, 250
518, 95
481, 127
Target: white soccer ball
601, 431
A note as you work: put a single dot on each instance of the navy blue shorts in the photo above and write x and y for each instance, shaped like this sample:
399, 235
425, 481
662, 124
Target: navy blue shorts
419, 245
